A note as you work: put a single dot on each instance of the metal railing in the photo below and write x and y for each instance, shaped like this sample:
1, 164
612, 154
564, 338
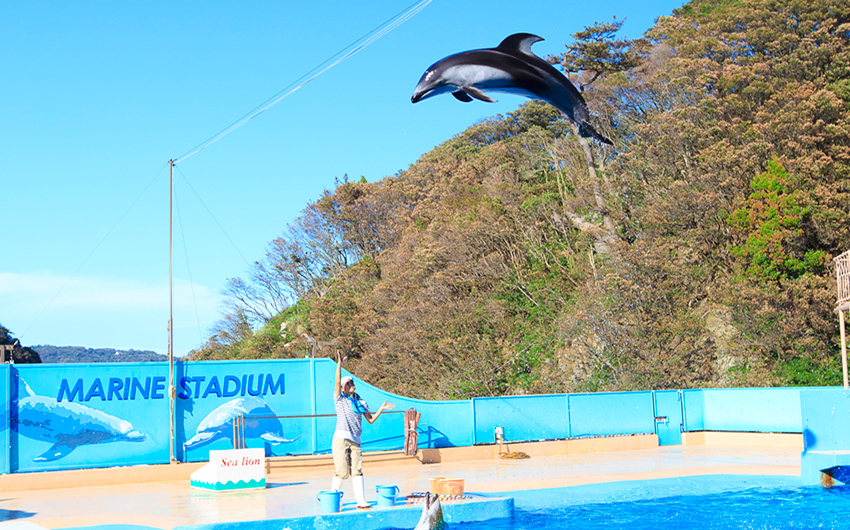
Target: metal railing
411, 420
842, 274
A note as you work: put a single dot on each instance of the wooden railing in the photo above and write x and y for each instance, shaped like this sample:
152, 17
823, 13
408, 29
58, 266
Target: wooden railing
411, 420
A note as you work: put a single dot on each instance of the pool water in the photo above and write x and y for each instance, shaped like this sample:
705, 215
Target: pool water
703, 503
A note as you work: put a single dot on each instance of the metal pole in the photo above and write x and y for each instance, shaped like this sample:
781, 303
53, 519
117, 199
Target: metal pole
170, 313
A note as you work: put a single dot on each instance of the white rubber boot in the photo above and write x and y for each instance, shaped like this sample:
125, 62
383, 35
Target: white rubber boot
359, 488
336, 485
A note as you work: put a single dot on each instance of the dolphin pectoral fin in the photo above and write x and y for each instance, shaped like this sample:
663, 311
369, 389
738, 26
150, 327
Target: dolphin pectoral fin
587, 131
274, 439
462, 96
477, 94
56, 452
134, 436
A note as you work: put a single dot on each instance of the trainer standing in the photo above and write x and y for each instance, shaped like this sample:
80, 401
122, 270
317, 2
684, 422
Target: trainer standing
348, 457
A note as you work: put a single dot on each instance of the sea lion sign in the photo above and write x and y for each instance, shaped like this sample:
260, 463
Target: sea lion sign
511, 68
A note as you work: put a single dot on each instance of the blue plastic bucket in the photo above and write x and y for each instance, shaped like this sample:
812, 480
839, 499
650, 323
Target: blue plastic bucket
386, 495
329, 501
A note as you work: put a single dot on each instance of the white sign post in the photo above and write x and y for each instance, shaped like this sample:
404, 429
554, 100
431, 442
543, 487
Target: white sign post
232, 469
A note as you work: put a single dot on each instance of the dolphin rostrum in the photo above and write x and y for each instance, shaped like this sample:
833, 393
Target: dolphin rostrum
432, 515
512, 68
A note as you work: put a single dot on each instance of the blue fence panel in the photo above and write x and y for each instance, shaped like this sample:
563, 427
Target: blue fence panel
826, 416
753, 410
669, 420
523, 418
443, 423
5, 430
117, 414
386, 433
68, 416
611, 413
211, 394
693, 402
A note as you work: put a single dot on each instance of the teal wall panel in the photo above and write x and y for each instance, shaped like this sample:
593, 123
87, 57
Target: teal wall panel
693, 403
523, 418
611, 413
826, 434
5, 430
211, 394
753, 410
826, 419
68, 416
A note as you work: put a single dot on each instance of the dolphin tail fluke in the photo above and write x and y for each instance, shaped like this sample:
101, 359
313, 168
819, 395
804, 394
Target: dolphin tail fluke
56, 452
199, 440
587, 131
274, 439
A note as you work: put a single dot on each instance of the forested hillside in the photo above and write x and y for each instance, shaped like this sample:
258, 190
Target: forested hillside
517, 257
78, 354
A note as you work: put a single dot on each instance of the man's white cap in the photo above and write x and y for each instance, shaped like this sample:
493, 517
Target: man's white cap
344, 381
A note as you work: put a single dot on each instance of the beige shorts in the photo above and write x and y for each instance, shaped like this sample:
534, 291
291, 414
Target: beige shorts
348, 459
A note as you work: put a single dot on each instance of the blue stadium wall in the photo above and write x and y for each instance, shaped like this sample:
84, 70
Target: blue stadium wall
70, 416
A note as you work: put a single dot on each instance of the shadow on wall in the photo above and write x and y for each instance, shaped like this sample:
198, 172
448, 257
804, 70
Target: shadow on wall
809, 439
431, 438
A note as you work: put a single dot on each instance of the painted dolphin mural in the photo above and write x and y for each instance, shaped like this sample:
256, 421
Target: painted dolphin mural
218, 425
67, 425
511, 68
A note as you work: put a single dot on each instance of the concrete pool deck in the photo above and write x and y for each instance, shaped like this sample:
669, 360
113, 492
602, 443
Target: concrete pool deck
291, 488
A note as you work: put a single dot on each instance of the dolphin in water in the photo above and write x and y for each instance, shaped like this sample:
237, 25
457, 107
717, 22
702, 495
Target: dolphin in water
432, 515
512, 68
67, 425
218, 425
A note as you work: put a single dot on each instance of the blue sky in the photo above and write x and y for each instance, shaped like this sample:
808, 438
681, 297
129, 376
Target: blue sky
97, 96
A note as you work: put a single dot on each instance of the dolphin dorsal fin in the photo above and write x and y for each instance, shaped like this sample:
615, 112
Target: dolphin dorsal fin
519, 42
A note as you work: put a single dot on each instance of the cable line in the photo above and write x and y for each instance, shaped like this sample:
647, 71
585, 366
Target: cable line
77, 271
188, 267
213, 216
355, 47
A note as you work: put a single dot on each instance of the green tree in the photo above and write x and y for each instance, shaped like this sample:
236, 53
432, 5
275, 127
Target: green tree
772, 223
20, 354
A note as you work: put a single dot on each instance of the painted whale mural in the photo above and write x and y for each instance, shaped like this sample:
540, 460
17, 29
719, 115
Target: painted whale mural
67, 425
218, 425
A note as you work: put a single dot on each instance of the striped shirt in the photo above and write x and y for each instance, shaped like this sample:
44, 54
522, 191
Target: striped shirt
348, 420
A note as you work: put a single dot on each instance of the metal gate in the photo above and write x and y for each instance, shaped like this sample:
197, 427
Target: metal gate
668, 417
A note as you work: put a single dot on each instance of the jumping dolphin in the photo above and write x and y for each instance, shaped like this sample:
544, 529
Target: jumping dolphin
218, 425
67, 425
512, 68
432, 515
